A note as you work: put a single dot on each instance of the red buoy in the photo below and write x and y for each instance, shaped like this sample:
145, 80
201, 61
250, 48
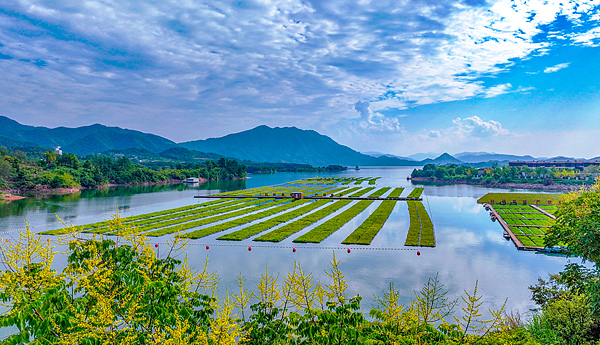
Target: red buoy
348, 250
294, 250
207, 247
418, 253
156, 245
249, 248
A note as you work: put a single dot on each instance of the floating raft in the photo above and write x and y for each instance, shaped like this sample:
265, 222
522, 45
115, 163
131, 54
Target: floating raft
306, 197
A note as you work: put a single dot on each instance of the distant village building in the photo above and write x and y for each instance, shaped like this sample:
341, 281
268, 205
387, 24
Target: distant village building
57, 150
552, 164
482, 171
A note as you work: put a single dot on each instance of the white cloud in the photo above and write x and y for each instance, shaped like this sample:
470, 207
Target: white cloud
435, 134
273, 59
497, 90
557, 67
374, 121
475, 127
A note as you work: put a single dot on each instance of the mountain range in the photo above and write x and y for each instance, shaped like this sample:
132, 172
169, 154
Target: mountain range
80, 140
260, 144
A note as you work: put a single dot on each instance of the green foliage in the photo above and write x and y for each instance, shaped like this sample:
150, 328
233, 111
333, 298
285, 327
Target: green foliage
566, 320
66, 171
578, 224
452, 173
122, 292
110, 292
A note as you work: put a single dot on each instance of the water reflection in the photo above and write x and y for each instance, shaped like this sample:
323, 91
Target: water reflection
469, 246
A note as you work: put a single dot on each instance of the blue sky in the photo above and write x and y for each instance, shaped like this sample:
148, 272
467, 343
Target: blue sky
400, 77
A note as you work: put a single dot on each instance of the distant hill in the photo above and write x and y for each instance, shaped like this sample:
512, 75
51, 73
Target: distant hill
444, 158
83, 140
178, 154
422, 156
289, 145
479, 157
377, 154
8, 143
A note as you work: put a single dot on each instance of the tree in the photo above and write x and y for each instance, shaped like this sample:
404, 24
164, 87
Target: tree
117, 292
578, 224
51, 158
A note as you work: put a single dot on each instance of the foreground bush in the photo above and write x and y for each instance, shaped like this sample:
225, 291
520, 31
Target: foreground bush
120, 292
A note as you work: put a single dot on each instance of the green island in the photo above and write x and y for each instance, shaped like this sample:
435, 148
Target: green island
541, 177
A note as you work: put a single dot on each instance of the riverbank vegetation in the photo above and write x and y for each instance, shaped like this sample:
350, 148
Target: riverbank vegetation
20, 173
128, 293
454, 173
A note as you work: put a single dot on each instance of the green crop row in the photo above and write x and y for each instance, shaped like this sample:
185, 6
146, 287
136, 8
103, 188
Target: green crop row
225, 211
361, 180
421, 230
413, 238
527, 230
201, 222
196, 223
275, 221
547, 208
181, 215
287, 230
271, 223
367, 231
529, 198
373, 180
427, 231
324, 230
249, 191
531, 241
415, 193
260, 204
241, 221
127, 220
396, 193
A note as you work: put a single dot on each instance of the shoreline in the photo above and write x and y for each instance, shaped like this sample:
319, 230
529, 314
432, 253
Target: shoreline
533, 186
16, 194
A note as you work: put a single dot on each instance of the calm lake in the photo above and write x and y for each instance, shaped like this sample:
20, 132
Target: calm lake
469, 247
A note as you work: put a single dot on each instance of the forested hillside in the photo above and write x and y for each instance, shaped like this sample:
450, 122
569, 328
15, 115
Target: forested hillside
20, 173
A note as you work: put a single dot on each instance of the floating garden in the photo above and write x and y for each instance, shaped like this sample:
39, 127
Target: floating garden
525, 217
275, 213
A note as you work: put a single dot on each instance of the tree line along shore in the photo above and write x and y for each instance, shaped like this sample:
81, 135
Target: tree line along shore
542, 178
53, 172
37, 171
